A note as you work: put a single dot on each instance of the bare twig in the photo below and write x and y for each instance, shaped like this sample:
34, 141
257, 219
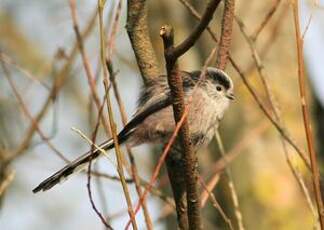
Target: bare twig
91, 81
6, 181
134, 171
226, 34
24, 71
230, 156
86, 64
197, 31
137, 29
270, 40
208, 189
231, 186
215, 203
266, 20
306, 118
119, 156
222, 57
93, 146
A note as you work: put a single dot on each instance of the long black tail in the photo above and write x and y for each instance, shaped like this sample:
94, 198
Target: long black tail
75, 166
81, 162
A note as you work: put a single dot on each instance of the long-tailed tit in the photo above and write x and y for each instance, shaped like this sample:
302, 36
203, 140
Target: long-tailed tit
208, 96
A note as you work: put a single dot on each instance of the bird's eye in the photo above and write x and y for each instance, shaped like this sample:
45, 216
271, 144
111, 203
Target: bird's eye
218, 88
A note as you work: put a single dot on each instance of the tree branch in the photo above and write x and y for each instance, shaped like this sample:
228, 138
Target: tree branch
192, 38
226, 34
306, 118
137, 29
191, 163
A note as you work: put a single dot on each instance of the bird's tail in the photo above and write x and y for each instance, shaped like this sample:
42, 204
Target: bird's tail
73, 167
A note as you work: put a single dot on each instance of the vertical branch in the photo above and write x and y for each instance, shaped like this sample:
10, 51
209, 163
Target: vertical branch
306, 118
221, 61
171, 54
175, 168
95, 96
137, 29
226, 34
86, 64
231, 186
133, 171
111, 118
94, 136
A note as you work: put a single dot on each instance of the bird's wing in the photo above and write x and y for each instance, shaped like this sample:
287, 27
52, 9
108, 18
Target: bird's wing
154, 97
150, 108
81, 162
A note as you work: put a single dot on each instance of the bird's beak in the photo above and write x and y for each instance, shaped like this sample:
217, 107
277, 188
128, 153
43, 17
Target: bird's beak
230, 96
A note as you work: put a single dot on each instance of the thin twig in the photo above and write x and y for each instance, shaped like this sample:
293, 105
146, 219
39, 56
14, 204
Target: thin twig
266, 20
24, 71
8, 178
134, 171
93, 146
208, 189
230, 156
197, 31
91, 81
222, 57
306, 118
112, 123
270, 40
216, 204
86, 64
231, 186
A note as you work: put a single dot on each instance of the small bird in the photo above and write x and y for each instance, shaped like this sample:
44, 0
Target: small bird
208, 94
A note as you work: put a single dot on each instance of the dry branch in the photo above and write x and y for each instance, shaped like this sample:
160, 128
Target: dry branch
137, 28
306, 118
175, 83
133, 168
112, 123
226, 34
221, 61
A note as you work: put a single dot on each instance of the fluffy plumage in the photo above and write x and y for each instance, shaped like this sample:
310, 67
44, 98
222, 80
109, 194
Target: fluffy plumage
153, 122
